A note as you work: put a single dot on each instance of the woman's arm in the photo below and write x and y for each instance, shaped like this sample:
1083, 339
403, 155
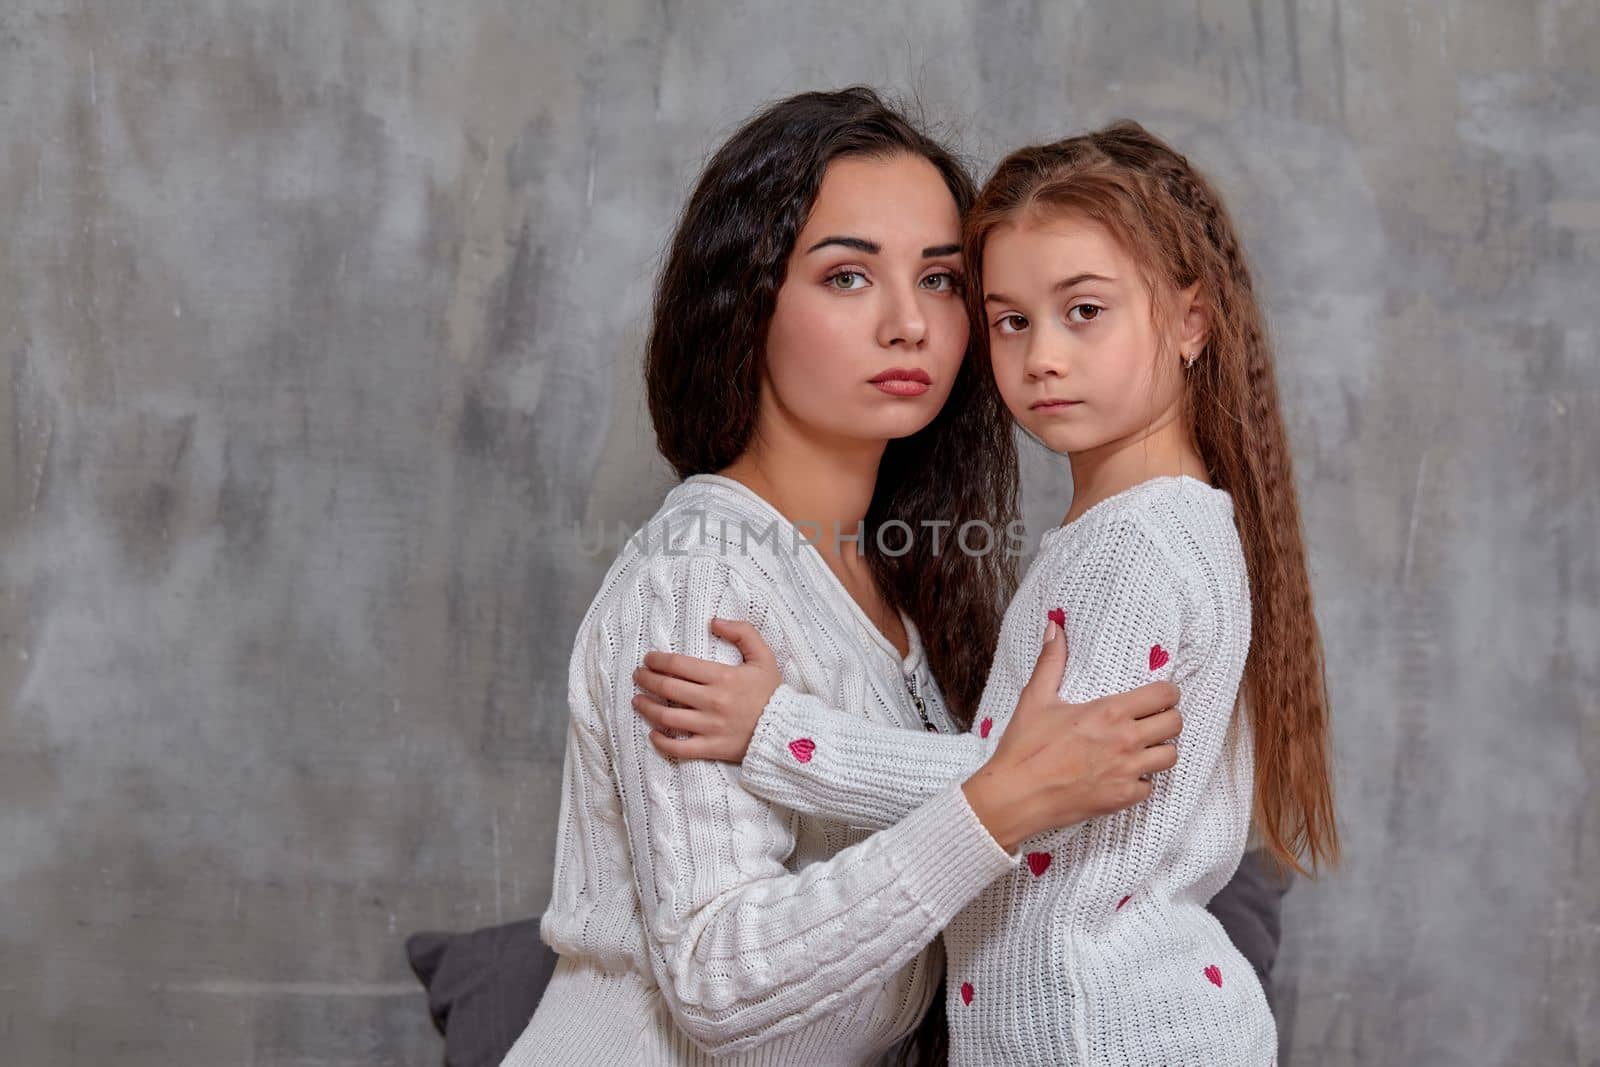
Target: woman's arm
744, 949
1119, 604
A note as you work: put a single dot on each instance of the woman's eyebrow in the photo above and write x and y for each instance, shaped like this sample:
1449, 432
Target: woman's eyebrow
872, 248
860, 244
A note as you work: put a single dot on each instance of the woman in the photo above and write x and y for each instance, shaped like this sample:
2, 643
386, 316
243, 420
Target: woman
807, 364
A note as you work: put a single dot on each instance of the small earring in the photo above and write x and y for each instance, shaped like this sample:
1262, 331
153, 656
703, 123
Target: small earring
1188, 359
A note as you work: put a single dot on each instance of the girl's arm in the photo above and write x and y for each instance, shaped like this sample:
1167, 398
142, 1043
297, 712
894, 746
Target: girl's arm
818, 760
1144, 604
796, 749
744, 949
1123, 602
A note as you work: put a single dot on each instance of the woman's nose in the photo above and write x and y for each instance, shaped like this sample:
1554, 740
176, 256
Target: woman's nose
903, 322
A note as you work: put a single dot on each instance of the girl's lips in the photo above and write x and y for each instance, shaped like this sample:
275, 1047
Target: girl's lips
1049, 406
901, 387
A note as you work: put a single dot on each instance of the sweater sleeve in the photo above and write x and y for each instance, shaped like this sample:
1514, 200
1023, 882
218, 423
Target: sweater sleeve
1124, 607
1128, 623
743, 948
819, 760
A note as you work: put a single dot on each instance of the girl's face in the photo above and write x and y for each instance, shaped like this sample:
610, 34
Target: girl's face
1074, 348
869, 328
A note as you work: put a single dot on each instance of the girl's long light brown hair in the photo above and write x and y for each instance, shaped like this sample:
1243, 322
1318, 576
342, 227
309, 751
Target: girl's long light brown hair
1168, 217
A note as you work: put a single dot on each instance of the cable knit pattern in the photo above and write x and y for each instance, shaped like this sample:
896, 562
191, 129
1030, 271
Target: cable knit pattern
692, 917
1099, 949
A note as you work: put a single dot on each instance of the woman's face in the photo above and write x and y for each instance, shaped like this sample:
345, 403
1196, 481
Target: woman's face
1075, 353
870, 327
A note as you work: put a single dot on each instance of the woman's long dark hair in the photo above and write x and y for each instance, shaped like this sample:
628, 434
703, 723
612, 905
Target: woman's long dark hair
714, 301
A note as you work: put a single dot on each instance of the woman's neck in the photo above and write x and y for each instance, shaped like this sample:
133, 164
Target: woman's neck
824, 486
1165, 447
819, 487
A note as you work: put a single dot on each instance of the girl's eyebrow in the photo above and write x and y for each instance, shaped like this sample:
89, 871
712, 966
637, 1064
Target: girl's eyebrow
1079, 279
1064, 283
872, 248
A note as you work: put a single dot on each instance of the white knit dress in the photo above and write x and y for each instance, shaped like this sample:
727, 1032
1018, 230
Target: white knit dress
693, 917
1099, 949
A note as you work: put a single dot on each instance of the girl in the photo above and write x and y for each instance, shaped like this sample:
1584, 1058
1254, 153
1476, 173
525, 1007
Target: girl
808, 359
1122, 331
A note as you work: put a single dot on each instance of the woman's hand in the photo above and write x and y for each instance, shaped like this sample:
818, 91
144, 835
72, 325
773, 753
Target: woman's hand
1058, 764
717, 705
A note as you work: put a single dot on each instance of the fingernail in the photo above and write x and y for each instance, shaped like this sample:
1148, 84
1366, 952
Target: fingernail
1051, 631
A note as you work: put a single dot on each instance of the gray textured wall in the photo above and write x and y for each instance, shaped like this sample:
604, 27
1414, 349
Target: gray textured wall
319, 327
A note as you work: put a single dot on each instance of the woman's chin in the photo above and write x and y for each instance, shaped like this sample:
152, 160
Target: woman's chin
907, 420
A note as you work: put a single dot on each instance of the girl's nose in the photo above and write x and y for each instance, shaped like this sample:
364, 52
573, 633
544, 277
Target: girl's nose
1044, 360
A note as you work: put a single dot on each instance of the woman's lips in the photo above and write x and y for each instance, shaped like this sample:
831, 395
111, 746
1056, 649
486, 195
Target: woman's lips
902, 386
903, 381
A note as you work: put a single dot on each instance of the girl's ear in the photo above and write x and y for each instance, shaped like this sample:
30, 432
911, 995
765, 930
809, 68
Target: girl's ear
1194, 318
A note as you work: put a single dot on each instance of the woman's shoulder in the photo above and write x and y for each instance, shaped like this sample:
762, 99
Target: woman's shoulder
708, 530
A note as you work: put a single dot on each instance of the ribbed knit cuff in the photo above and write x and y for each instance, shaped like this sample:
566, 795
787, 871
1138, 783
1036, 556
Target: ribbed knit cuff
949, 857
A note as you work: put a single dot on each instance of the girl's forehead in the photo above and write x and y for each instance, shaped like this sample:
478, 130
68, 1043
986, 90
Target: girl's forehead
1069, 246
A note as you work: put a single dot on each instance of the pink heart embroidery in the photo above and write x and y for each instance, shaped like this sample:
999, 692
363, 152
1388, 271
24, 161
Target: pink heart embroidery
1158, 657
1057, 616
984, 727
1214, 975
1123, 901
802, 749
966, 992
1038, 862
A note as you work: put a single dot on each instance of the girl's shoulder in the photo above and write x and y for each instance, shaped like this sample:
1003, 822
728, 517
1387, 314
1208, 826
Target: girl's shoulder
1180, 522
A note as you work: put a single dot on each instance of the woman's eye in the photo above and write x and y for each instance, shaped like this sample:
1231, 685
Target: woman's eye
941, 283
1090, 312
845, 280
1011, 323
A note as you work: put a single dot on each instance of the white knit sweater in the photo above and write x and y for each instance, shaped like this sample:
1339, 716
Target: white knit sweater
693, 917
1099, 950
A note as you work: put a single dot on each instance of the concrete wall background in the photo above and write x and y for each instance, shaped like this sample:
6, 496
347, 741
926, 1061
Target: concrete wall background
319, 328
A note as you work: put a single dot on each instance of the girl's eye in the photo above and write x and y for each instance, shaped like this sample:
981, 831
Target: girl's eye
1012, 323
842, 280
1090, 312
943, 282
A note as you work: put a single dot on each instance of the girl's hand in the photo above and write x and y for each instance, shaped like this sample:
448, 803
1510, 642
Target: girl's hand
716, 704
1058, 764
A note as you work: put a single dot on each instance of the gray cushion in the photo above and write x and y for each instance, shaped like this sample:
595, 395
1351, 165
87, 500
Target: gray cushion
482, 986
